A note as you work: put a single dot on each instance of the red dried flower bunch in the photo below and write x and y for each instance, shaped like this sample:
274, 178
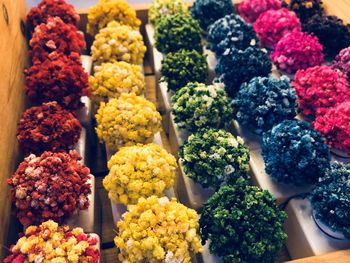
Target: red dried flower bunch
342, 61
55, 35
50, 186
297, 50
272, 25
51, 8
61, 78
319, 88
47, 128
250, 10
334, 125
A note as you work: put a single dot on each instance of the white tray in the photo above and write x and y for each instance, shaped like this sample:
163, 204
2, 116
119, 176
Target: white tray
211, 60
177, 136
80, 146
206, 257
305, 238
98, 245
157, 57
165, 104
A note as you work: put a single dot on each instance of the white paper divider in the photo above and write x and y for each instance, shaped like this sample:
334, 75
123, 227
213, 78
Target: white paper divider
206, 257
177, 136
86, 218
157, 57
80, 146
165, 105
305, 239
98, 245
87, 63
212, 61
197, 195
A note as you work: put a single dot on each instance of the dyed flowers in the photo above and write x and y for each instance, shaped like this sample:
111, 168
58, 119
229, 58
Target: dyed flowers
264, 102
110, 80
47, 128
295, 153
342, 61
106, 11
49, 186
197, 106
182, 67
158, 230
296, 51
127, 121
305, 9
52, 243
161, 8
119, 43
250, 10
334, 125
272, 25
55, 35
139, 171
319, 88
214, 158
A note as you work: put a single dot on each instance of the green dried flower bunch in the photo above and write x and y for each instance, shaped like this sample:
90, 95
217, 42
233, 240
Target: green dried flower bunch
214, 158
161, 8
176, 32
182, 67
243, 224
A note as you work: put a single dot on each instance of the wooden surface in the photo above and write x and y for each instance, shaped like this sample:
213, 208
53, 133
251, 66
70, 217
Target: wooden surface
340, 8
336, 257
13, 53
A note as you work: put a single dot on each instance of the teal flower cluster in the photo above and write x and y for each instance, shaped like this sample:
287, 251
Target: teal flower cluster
243, 224
182, 67
214, 158
331, 198
197, 106
295, 153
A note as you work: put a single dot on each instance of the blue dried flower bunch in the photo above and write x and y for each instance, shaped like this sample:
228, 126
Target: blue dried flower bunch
238, 66
295, 153
331, 198
197, 106
264, 102
214, 158
208, 11
231, 31
243, 224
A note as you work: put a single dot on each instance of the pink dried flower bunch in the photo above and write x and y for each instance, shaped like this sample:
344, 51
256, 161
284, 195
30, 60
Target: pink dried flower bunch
250, 10
319, 88
47, 127
297, 50
50, 186
334, 125
55, 35
342, 61
61, 78
272, 25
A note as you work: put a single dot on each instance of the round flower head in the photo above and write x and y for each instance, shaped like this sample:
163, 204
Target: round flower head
47, 127
214, 158
334, 125
51, 8
331, 31
161, 8
296, 51
55, 35
295, 153
238, 66
127, 121
243, 224
49, 186
106, 11
110, 80
61, 78
264, 102
139, 171
50, 242
272, 25
330, 198
178, 31
250, 10
342, 61
182, 67
320, 88
118, 43
231, 31
158, 230
198, 106
305, 9
208, 11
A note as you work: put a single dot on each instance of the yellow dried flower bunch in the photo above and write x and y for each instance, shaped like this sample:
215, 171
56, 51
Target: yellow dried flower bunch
139, 171
110, 80
106, 11
157, 230
119, 43
127, 121
160, 8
